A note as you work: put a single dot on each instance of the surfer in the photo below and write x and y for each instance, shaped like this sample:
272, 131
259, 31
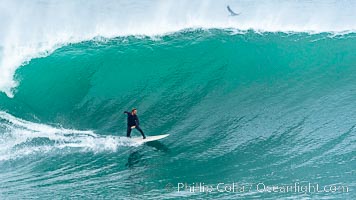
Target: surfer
132, 122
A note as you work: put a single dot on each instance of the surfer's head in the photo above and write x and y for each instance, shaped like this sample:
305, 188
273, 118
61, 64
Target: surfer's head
134, 111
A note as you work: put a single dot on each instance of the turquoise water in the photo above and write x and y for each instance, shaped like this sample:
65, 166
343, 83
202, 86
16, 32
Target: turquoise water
247, 108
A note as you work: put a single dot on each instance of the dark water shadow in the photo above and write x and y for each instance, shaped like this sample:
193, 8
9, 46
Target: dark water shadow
133, 159
159, 146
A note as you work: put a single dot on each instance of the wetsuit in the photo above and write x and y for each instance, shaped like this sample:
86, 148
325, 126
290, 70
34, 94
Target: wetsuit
132, 120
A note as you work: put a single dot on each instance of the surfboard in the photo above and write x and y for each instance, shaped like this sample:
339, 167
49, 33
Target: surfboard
148, 138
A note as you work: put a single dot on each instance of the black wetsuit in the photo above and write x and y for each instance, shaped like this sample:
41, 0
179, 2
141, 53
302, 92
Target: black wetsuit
132, 120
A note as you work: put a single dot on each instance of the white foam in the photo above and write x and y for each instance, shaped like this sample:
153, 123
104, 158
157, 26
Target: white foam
30, 29
16, 139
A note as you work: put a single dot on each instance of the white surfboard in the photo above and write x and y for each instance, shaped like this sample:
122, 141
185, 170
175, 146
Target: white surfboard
148, 138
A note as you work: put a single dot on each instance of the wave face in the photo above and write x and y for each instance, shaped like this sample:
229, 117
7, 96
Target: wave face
274, 108
31, 29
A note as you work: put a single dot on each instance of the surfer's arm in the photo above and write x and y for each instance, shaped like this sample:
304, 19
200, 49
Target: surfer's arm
137, 121
125, 112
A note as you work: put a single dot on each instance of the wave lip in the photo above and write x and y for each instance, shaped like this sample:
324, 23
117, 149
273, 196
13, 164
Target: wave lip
54, 24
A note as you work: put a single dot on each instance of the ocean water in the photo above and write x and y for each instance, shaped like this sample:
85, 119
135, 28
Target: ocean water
258, 106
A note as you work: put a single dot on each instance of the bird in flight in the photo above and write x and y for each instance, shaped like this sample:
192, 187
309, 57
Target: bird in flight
232, 13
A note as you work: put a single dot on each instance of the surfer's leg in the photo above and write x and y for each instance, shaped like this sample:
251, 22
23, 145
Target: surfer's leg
128, 131
139, 129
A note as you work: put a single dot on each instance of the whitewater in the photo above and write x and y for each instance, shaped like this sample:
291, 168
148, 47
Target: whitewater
255, 101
